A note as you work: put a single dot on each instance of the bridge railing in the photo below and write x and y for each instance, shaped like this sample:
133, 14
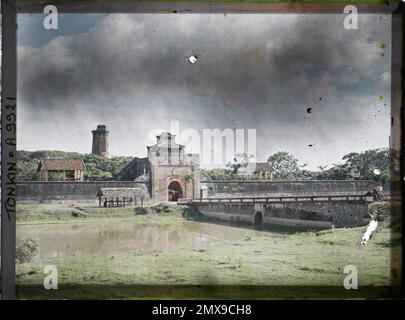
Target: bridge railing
282, 199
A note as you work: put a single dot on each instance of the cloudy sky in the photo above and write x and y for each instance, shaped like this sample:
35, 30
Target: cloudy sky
254, 71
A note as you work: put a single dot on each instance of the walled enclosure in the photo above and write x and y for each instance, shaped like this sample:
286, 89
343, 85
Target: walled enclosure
69, 191
234, 188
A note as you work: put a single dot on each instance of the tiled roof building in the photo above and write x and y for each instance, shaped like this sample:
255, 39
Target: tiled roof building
60, 170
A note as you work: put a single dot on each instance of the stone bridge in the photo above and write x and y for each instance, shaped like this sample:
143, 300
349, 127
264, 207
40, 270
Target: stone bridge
324, 211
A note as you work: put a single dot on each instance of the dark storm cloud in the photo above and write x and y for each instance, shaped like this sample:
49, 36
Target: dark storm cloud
152, 53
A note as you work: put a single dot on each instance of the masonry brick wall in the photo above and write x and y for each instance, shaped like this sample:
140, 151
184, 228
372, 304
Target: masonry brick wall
40, 191
234, 188
326, 214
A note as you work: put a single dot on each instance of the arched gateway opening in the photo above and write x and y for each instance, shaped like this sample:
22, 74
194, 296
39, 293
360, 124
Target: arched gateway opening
174, 191
258, 218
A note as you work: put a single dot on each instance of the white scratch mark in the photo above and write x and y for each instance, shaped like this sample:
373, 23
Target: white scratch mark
192, 59
376, 172
370, 229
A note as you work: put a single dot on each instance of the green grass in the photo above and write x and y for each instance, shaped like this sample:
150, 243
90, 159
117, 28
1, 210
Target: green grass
35, 213
221, 269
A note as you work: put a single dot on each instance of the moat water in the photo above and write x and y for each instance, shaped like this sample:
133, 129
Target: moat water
63, 240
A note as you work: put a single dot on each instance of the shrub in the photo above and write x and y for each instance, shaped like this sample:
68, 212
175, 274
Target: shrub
140, 210
161, 208
27, 251
79, 213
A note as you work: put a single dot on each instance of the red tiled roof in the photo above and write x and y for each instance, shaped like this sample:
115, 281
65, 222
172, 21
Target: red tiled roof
263, 166
61, 164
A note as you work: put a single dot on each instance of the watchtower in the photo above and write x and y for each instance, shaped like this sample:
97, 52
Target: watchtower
100, 141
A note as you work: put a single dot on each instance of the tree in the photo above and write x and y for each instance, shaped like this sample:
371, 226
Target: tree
27, 170
368, 165
240, 160
101, 168
372, 164
285, 166
218, 174
337, 172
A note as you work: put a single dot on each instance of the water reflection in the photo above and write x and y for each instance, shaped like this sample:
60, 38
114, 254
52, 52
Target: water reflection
61, 240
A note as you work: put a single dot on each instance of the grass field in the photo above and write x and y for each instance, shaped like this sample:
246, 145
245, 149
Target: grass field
278, 265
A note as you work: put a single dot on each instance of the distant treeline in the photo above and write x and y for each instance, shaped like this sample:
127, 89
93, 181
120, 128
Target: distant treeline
97, 168
369, 165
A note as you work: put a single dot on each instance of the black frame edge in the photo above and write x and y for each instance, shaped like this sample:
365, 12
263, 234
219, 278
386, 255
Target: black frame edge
8, 150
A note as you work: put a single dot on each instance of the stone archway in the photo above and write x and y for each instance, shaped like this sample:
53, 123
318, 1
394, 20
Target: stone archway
258, 218
174, 191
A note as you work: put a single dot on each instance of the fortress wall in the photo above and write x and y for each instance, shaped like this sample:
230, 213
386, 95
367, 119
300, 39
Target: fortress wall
85, 191
235, 188
309, 214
